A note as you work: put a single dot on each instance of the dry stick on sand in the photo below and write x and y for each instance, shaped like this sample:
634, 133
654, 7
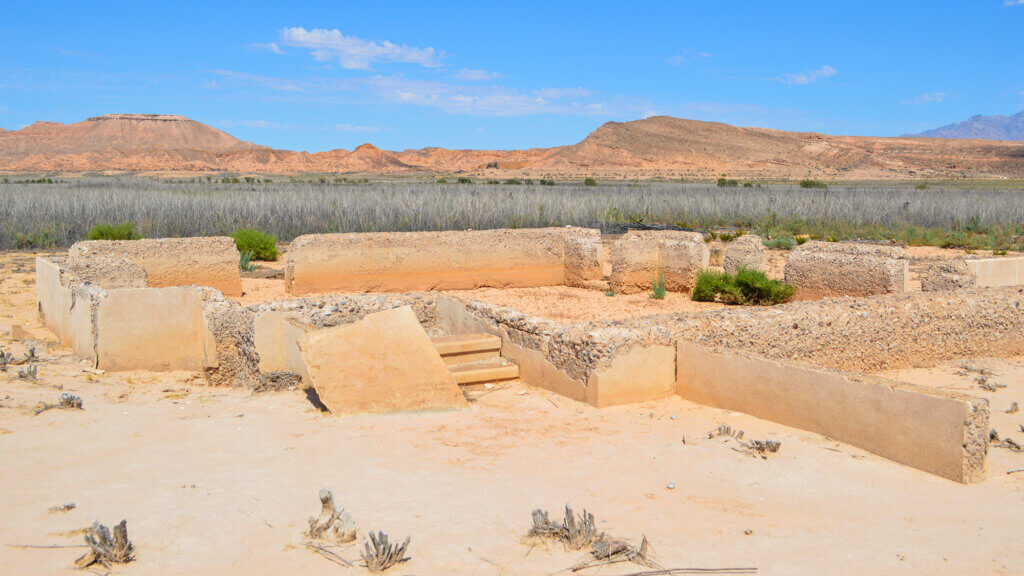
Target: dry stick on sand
379, 555
107, 548
605, 552
574, 533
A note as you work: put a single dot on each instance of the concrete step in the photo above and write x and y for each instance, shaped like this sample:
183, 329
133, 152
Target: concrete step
491, 370
465, 348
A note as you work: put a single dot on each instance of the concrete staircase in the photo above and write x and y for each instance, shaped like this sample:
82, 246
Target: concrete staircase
475, 358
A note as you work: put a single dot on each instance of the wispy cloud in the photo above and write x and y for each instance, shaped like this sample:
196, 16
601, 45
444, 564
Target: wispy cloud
808, 77
355, 53
1009, 3
269, 47
352, 128
74, 54
452, 97
468, 75
926, 98
262, 124
687, 56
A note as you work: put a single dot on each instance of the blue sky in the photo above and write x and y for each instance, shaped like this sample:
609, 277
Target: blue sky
316, 76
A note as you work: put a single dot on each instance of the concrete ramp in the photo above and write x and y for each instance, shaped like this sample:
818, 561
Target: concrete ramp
382, 363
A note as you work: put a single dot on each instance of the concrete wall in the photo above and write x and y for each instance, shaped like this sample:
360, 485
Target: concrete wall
944, 434
583, 266
747, 251
410, 261
53, 299
155, 329
640, 255
277, 334
209, 261
997, 272
820, 269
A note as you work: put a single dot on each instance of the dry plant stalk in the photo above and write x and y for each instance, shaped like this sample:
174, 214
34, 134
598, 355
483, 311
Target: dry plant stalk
332, 525
604, 552
378, 554
67, 402
574, 532
107, 548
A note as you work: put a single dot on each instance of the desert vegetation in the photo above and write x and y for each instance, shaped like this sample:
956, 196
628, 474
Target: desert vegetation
746, 287
45, 215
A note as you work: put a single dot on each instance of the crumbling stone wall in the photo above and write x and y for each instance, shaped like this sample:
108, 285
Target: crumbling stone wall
948, 275
583, 257
208, 261
453, 260
640, 255
747, 251
820, 269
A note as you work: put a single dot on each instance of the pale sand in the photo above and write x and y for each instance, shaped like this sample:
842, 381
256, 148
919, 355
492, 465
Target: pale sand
221, 481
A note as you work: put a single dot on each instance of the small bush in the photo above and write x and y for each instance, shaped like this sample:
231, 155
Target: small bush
124, 231
464, 180
746, 287
546, 182
245, 261
780, 243
40, 239
999, 252
658, 287
808, 183
921, 186
513, 181
590, 182
442, 180
800, 241
727, 183
263, 246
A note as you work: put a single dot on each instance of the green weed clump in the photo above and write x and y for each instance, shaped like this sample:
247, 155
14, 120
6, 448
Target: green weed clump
658, 290
123, 231
808, 183
781, 243
245, 261
263, 246
590, 182
727, 183
747, 287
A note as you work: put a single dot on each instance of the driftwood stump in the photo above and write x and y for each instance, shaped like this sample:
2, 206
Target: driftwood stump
107, 548
332, 525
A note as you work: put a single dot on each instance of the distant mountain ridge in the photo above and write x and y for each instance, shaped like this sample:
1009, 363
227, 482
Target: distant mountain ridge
982, 127
655, 147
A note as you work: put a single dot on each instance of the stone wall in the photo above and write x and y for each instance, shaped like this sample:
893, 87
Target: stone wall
211, 261
412, 261
820, 269
641, 255
747, 251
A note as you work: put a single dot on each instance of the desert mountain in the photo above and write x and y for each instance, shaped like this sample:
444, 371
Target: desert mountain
984, 127
657, 146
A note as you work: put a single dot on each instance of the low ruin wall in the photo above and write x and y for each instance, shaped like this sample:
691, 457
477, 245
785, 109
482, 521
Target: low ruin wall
211, 261
941, 433
641, 255
997, 272
411, 261
820, 269
156, 329
747, 251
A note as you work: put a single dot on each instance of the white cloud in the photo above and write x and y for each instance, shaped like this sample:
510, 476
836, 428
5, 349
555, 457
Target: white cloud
351, 128
284, 84
687, 56
1009, 3
562, 93
356, 53
927, 98
809, 77
269, 47
468, 75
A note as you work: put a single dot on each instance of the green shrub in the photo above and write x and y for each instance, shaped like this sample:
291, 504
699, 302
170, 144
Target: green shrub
513, 181
658, 287
263, 246
921, 186
590, 182
727, 183
748, 184
38, 240
800, 241
746, 287
465, 180
780, 243
808, 183
245, 261
123, 231
999, 252
545, 182
442, 180
609, 293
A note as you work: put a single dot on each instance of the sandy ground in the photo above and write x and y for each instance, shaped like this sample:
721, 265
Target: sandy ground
222, 481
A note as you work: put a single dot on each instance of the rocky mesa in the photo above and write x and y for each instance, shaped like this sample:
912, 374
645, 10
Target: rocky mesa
660, 146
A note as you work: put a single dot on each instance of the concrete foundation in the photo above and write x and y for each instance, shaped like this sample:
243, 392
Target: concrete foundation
820, 269
640, 256
747, 251
944, 434
410, 261
209, 261
997, 272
